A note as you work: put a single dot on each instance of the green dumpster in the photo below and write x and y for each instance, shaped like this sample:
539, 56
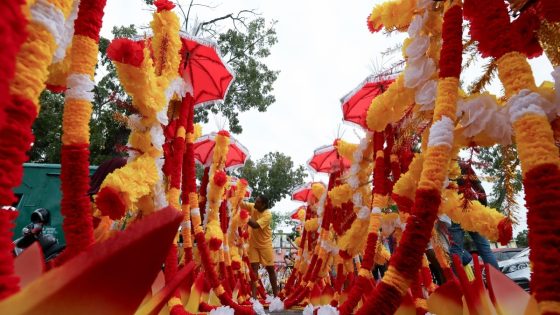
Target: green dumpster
40, 189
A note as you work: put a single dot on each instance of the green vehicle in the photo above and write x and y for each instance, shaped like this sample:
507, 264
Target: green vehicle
41, 189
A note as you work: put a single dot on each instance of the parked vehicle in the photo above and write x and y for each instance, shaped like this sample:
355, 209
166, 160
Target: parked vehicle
506, 253
518, 269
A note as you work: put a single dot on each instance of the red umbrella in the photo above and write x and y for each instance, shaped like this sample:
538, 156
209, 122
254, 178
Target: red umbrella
203, 67
204, 150
302, 192
326, 160
356, 103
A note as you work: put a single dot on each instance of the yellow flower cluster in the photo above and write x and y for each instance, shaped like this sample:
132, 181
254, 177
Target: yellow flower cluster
515, 73
406, 185
346, 149
134, 180
166, 38
475, 218
382, 255
395, 14
145, 88
215, 193
340, 194
535, 142
58, 72
390, 106
312, 225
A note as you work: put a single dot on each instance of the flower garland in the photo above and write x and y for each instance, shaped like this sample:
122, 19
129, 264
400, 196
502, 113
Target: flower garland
476, 217
12, 26
351, 243
151, 94
29, 74
74, 175
189, 197
379, 202
406, 261
538, 154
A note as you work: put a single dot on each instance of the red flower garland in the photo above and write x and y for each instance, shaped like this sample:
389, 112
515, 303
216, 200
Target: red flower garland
12, 147
9, 281
544, 241
12, 28
526, 27
452, 47
550, 9
75, 204
490, 26
20, 114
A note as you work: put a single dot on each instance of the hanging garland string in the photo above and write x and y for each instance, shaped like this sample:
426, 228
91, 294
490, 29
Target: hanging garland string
74, 175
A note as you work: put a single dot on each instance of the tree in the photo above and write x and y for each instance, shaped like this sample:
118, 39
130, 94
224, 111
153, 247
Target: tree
274, 176
501, 165
521, 239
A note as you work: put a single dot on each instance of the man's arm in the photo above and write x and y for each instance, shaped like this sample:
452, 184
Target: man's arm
252, 223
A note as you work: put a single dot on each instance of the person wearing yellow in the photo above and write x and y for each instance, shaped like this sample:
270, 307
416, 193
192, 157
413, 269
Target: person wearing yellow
260, 240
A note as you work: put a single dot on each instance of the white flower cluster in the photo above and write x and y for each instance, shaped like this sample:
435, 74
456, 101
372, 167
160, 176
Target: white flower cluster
419, 68
441, 132
483, 114
67, 35
353, 179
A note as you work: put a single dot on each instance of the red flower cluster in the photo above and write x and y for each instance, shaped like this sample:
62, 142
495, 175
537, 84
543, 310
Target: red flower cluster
90, 18
550, 10
163, 5
224, 133
220, 178
9, 281
370, 26
490, 26
542, 193
110, 203
243, 214
505, 231
126, 51
75, 204
452, 46
525, 28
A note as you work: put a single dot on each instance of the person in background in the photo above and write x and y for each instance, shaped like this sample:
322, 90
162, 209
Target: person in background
260, 240
470, 181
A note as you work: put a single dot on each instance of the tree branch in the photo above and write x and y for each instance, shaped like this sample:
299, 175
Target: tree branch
252, 44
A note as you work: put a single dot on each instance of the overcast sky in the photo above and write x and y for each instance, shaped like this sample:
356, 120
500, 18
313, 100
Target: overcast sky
324, 50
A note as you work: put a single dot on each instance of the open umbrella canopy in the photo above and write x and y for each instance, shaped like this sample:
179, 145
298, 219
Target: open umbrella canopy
356, 103
202, 66
204, 150
327, 160
302, 192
